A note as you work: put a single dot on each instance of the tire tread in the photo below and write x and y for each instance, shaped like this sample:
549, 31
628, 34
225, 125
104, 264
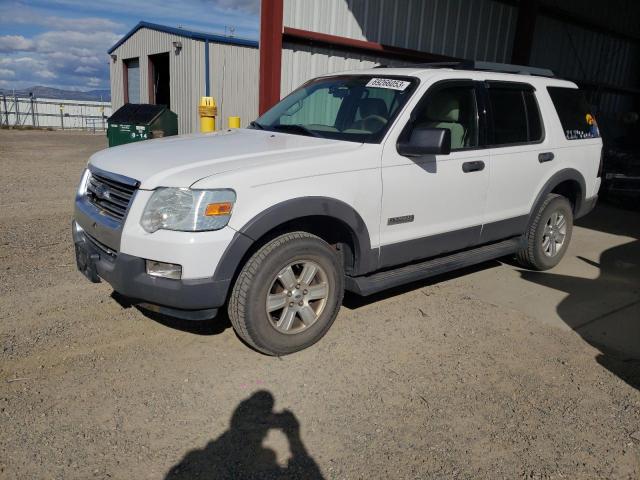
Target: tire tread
526, 256
239, 296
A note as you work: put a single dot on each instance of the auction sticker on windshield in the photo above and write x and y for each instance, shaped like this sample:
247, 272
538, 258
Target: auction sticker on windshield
388, 83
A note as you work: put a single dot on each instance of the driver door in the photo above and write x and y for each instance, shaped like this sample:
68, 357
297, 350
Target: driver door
435, 204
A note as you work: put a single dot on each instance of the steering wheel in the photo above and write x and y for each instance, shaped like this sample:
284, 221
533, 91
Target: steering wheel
373, 123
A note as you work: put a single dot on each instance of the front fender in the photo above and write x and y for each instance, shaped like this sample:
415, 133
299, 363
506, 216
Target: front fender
293, 209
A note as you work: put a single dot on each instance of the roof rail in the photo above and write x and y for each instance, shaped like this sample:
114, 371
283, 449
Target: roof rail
483, 66
509, 68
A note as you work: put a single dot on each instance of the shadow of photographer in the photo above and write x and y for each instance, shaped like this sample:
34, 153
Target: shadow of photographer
239, 453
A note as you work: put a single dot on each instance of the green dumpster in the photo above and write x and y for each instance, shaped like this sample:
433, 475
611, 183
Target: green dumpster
134, 122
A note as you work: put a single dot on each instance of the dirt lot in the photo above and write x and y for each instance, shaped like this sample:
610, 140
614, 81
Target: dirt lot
488, 373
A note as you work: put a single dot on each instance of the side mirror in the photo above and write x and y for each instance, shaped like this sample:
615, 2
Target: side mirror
426, 141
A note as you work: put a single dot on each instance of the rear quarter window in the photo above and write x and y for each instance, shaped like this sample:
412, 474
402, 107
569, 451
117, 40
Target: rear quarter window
575, 113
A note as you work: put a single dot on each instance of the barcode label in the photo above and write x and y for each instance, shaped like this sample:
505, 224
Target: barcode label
390, 83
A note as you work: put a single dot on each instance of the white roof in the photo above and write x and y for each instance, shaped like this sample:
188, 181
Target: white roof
434, 74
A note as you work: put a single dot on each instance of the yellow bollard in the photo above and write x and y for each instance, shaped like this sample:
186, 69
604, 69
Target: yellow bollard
234, 122
207, 111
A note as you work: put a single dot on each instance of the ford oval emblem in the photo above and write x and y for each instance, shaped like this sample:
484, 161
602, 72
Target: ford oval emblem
102, 192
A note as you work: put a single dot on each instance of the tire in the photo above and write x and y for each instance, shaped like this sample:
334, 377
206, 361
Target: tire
263, 278
539, 253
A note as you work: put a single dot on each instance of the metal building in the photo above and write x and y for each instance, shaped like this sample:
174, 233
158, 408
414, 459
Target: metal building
596, 44
175, 67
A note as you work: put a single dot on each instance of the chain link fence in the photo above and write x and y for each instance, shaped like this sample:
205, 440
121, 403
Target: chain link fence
23, 112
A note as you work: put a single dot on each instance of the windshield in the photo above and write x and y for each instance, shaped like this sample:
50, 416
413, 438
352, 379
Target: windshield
355, 108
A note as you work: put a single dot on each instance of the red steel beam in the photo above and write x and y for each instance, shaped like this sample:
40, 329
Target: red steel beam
270, 53
362, 46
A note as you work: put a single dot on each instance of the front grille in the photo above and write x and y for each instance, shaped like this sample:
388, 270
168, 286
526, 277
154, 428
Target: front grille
111, 254
111, 196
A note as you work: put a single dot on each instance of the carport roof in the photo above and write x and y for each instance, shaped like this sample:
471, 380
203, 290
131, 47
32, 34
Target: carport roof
211, 37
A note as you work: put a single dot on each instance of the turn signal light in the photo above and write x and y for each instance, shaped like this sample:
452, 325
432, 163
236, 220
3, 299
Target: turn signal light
218, 209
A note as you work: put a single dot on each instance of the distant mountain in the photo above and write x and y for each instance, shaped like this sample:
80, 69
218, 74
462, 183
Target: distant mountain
49, 92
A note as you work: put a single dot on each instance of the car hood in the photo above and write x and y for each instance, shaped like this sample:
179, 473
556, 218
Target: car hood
182, 160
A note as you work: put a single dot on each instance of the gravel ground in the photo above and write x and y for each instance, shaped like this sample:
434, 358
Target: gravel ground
486, 373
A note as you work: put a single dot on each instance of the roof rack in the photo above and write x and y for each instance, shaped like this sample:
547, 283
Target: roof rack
510, 68
483, 66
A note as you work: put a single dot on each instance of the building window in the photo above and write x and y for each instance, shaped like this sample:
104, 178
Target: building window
131, 80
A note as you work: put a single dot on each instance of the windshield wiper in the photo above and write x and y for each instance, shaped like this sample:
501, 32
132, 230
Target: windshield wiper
255, 124
296, 128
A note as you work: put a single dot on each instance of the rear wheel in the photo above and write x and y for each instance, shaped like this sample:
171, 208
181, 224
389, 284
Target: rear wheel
287, 294
549, 234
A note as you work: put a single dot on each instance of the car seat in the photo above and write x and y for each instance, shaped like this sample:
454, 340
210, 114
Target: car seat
374, 115
443, 111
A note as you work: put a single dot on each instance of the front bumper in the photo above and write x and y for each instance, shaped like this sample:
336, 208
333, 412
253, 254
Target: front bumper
187, 298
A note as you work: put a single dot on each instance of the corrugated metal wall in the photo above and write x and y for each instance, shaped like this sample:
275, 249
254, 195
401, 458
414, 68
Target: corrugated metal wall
584, 55
233, 76
575, 52
618, 15
480, 29
301, 63
186, 71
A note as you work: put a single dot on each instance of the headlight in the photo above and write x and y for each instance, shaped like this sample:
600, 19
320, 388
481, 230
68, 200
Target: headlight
82, 186
187, 210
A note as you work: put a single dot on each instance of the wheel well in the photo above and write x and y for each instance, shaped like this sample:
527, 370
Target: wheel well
333, 231
571, 190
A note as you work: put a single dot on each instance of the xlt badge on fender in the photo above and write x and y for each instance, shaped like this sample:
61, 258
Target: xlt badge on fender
397, 220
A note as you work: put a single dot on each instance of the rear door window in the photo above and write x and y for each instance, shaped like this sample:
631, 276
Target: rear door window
515, 114
575, 113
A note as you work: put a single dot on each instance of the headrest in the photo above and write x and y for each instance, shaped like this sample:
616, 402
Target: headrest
373, 106
443, 107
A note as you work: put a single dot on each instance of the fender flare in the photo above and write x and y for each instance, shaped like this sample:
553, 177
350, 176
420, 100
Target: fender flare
294, 209
555, 180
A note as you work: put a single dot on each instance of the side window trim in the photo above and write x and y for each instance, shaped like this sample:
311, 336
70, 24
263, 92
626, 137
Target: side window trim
450, 82
523, 87
484, 114
507, 84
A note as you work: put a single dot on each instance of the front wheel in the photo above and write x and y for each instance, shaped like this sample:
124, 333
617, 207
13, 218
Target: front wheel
549, 234
288, 294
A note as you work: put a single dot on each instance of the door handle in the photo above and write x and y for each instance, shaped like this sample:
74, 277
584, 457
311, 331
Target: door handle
473, 166
545, 157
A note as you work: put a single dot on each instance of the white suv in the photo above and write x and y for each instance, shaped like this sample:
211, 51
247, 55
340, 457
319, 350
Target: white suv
361, 181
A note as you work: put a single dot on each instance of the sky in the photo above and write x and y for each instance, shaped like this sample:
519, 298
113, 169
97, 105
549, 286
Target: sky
64, 43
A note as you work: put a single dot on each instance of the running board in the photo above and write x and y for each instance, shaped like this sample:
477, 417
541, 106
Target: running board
376, 282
